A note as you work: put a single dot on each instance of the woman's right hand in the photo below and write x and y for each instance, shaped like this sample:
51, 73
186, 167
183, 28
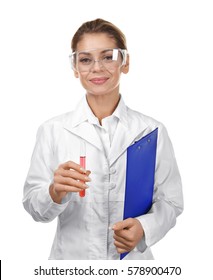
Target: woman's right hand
68, 177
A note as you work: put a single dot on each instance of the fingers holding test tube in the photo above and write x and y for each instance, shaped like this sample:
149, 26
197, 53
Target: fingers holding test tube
68, 177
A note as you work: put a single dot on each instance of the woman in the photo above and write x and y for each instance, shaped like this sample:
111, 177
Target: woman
92, 227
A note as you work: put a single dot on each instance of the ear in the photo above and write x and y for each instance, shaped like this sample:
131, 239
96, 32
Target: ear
125, 68
76, 74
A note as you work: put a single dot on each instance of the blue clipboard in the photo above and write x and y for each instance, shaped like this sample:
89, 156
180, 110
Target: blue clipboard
140, 175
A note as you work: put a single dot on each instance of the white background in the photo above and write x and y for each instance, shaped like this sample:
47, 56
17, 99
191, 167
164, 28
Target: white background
171, 79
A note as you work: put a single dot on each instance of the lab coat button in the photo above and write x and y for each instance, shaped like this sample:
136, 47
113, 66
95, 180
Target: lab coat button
112, 171
112, 186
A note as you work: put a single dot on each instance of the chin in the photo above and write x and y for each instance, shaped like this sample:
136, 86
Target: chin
95, 93
102, 91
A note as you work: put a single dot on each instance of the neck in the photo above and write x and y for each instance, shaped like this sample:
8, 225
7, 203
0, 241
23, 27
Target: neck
104, 105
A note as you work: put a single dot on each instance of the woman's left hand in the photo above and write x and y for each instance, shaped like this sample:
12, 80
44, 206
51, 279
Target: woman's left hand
127, 234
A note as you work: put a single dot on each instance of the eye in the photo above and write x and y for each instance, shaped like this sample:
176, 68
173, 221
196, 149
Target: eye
85, 60
107, 58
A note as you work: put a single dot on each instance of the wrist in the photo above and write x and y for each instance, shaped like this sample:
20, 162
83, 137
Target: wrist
54, 195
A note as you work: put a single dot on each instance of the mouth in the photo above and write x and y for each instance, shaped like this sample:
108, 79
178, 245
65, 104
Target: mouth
99, 80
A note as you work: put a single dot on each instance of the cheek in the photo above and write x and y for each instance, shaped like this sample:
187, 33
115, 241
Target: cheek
82, 77
83, 80
116, 75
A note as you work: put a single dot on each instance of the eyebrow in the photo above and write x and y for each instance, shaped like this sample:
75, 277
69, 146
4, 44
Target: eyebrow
89, 53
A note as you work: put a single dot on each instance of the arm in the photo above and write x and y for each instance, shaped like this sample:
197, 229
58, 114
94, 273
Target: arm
45, 187
167, 202
37, 200
168, 198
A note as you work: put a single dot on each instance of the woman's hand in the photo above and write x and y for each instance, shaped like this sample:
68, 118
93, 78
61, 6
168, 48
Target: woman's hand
69, 177
127, 234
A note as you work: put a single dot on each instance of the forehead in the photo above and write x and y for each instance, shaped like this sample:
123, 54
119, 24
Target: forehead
96, 41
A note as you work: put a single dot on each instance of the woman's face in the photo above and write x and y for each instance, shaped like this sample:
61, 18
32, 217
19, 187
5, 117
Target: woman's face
99, 79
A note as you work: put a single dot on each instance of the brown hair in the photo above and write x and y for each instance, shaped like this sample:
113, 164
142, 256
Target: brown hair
99, 26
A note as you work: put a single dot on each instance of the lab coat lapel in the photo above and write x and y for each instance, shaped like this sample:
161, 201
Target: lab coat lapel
87, 132
124, 137
130, 128
77, 123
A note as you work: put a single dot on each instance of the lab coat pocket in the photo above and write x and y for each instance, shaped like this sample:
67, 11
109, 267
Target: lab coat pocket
75, 196
77, 207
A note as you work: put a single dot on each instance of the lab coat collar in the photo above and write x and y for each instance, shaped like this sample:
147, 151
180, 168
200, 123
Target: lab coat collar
80, 113
83, 113
120, 112
79, 125
130, 125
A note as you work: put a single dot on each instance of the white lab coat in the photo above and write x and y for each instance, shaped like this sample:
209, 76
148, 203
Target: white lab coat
83, 223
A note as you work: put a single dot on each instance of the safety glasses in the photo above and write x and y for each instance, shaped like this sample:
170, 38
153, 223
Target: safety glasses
84, 61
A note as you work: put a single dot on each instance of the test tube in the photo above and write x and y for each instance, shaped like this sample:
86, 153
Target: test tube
82, 162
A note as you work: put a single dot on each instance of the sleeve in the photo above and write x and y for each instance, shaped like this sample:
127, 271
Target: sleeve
37, 200
167, 198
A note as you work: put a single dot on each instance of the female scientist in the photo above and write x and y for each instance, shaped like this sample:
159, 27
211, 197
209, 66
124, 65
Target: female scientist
92, 226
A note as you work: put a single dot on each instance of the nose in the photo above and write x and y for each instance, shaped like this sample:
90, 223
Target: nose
97, 66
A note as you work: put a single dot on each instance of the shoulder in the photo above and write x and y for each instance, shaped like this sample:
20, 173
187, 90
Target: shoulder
68, 119
56, 123
60, 119
135, 116
147, 124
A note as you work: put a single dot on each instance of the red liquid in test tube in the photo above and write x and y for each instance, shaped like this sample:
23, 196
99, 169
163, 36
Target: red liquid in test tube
83, 162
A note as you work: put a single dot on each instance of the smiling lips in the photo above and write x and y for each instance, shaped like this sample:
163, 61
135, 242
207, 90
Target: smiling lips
99, 81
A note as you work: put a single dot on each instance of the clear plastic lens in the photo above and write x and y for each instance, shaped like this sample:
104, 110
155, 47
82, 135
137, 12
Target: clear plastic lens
109, 58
